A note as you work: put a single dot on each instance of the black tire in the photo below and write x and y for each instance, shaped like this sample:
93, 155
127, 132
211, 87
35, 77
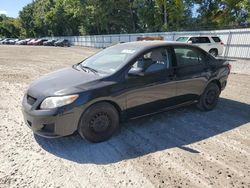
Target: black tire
99, 122
209, 99
214, 52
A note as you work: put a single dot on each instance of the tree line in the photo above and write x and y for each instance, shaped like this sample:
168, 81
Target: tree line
92, 17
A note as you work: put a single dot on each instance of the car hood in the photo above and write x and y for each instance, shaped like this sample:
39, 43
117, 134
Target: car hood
63, 82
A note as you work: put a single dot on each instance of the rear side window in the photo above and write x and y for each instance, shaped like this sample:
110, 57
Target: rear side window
200, 40
194, 40
216, 39
188, 56
204, 40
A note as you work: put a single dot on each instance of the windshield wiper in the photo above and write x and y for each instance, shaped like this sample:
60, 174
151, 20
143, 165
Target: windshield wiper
89, 68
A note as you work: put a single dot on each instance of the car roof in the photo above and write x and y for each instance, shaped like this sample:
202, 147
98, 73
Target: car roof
142, 46
151, 44
200, 36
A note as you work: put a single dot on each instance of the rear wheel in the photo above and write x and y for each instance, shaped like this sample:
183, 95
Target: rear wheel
209, 98
99, 122
214, 52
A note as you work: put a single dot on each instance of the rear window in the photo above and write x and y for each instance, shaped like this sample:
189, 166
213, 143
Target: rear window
182, 39
216, 39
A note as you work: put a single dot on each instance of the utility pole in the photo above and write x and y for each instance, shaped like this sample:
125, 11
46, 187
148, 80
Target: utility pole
131, 11
165, 13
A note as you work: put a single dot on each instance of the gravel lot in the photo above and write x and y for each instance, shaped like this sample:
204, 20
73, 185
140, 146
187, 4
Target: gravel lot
179, 148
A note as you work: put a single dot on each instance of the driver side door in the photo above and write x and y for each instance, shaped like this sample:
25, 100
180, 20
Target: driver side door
152, 88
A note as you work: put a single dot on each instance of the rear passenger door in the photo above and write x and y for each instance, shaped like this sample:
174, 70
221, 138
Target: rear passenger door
191, 71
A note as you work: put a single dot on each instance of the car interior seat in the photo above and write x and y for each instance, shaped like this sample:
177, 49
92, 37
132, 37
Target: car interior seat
159, 61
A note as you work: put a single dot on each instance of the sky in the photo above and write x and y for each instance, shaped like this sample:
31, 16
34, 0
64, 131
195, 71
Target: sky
11, 8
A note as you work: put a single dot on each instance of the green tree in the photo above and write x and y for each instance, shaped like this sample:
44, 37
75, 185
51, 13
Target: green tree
149, 16
9, 27
80, 17
223, 13
27, 20
175, 14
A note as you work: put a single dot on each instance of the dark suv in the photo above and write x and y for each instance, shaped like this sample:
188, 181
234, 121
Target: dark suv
124, 81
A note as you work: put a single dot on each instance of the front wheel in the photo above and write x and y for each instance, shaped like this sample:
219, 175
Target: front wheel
209, 99
99, 122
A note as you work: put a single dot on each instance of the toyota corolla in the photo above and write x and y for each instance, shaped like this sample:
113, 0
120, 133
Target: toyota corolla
121, 82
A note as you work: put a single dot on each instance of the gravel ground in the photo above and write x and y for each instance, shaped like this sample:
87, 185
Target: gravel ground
240, 66
179, 148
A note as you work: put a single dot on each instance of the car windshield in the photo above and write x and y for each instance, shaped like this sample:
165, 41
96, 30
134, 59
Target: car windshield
182, 39
109, 60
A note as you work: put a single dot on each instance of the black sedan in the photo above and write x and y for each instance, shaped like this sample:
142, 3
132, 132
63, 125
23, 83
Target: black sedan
62, 43
124, 81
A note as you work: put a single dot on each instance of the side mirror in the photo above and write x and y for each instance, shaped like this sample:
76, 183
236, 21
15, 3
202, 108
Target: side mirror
190, 42
136, 72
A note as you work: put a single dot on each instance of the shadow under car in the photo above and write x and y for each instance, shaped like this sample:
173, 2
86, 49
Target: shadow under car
139, 137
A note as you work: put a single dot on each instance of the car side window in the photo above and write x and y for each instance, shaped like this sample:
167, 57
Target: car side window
199, 40
194, 40
153, 61
204, 40
188, 56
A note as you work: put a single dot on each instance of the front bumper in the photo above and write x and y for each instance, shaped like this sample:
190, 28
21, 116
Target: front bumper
51, 123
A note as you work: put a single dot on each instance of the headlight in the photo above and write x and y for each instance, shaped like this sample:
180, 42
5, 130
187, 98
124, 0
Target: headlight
54, 102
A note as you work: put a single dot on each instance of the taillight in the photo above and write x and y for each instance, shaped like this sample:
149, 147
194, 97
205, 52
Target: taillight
229, 67
221, 43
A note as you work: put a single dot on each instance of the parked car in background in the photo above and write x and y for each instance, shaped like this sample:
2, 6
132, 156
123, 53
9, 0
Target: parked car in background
124, 81
62, 43
13, 41
23, 42
1, 40
211, 44
5, 41
8, 41
49, 42
39, 42
31, 42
